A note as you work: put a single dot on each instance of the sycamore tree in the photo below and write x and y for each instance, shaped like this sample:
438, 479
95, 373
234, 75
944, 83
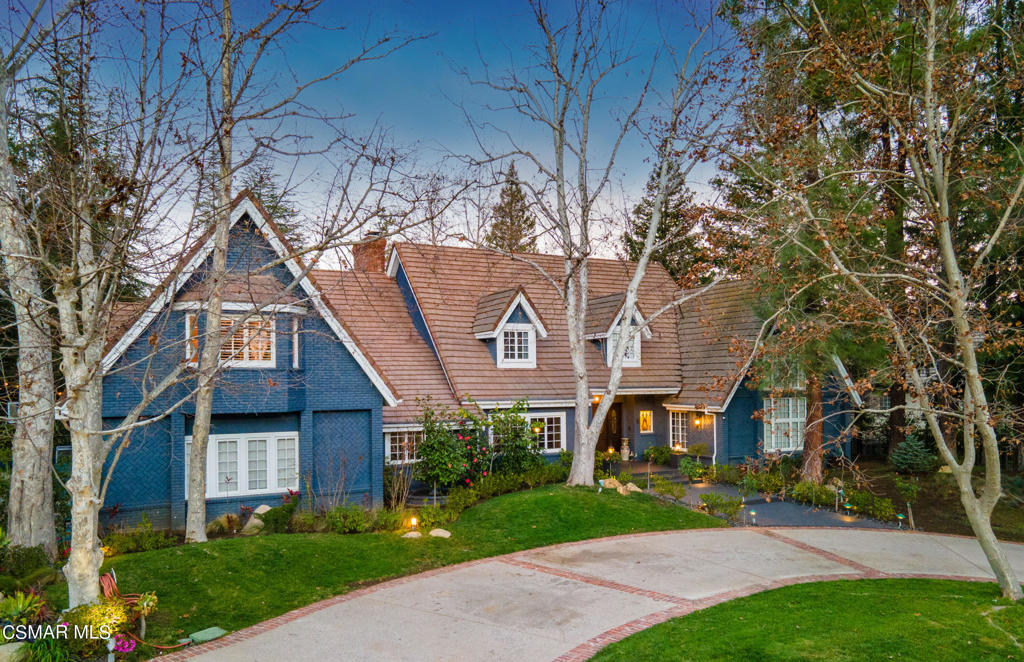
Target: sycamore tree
563, 89
940, 96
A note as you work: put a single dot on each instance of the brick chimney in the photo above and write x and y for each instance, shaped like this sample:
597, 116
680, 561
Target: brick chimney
368, 255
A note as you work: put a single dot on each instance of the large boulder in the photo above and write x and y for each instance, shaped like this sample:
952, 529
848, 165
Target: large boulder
255, 524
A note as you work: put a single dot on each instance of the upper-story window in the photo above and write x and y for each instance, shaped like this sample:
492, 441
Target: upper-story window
631, 356
245, 342
517, 346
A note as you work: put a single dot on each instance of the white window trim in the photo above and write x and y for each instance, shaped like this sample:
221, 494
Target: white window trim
770, 420
531, 362
634, 362
295, 344
191, 354
271, 438
243, 363
684, 415
560, 415
387, 443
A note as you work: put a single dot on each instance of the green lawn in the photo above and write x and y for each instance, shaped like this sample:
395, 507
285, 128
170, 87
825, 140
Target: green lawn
881, 619
236, 582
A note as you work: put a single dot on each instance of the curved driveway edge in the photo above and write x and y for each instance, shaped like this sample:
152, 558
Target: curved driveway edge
567, 601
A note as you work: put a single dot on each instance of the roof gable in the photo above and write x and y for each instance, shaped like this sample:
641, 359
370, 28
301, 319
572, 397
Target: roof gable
246, 206
605, 313
494, 310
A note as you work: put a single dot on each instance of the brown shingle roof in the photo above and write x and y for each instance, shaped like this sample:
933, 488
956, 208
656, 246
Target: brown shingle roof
377, 317
448, 283
716, 329
490, 308
601, 312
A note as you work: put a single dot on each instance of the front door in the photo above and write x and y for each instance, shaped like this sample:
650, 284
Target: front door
611, 431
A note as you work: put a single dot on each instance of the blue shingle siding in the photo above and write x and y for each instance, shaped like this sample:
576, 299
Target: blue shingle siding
246, 400
343, 456
631, 407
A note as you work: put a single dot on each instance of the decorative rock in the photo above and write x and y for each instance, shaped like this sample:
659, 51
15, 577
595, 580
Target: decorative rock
9, 651
621, 489
440, 533
611, 483
412, 534
255, 524
631, 487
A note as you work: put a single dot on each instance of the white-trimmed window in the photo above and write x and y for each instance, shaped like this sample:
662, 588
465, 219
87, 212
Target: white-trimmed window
784, 420
517, 346
646, 421
631, 357
677, 428
245, 344
551, 437
238, 465
251, 343
401, 446
296, 356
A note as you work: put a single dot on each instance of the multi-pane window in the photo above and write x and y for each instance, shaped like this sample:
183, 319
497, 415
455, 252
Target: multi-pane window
247, 342
631, 355
249, 464
677, 428
402, 445
784, 421
552, 434
517, 346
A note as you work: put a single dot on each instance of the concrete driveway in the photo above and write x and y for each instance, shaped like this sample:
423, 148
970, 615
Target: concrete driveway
568, 601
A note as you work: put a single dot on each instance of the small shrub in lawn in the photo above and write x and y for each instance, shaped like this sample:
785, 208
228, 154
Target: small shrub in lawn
818, 495
565, 459
306, 521
866, 503
431, 517
492, 485
658, 454
908, 489
722, 504
387, 519
662, 485
460, 498
349, 519
276, 519
19, 561
697, 449
691, 468
913, 457
625, 478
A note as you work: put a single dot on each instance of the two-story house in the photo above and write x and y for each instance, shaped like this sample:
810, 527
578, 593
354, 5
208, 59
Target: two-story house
324, 371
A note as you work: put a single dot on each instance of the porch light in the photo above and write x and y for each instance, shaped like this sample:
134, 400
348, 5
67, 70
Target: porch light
597, 398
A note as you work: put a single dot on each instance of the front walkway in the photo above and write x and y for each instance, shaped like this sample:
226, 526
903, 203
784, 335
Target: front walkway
566, 602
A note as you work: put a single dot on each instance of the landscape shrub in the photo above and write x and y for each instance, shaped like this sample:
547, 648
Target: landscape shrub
110, 613
21, 608
663, 486
44, 650
913, 457
697, 449
722, 504
19, 561
625, 478
276, 519
515, 443
432, 517
226, 523
658, 454
725, 473
349, 519
545, 474
306, 521
494, 484
142, 538
387, 519
460, 498
36, 579
691, 468
908, 489
818, 495
866, 503
565, 459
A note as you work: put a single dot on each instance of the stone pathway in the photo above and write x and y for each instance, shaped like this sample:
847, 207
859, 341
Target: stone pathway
568, 601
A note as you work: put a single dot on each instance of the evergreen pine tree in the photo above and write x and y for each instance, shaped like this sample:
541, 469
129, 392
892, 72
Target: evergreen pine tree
513, 227
680, 252
259, 177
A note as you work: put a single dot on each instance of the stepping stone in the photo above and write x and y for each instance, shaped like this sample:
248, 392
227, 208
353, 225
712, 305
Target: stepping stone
209, 634
440, 533
413, 534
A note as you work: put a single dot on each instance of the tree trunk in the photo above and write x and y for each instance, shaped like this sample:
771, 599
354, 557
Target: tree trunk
585, 442
195, 524
812, 468
30, 508
897, 416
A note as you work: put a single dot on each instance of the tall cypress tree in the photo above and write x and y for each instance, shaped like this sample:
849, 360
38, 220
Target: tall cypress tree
513, 228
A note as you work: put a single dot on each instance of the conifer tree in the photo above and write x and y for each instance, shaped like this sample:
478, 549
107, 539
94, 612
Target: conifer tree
513, 227
260, 178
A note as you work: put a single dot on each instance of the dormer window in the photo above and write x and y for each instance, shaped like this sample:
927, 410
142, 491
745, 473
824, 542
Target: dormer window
510, 320
518, 346
631, 355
